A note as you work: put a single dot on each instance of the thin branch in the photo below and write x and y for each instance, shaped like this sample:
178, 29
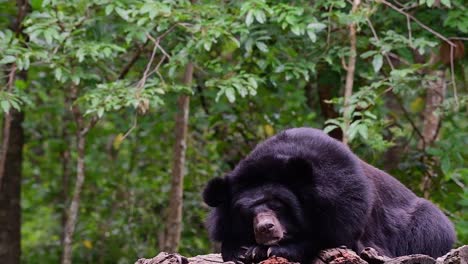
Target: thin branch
452, 73
156, 69
437, 34
343, 63
329, 26
142, 81
378, 39
75, 26
458, 182
403, 7
163, 35
134, 125
407, 116
203, 102
410, 32
163, 50
157, 46
400, 59
132, 61
90, 125
11, 77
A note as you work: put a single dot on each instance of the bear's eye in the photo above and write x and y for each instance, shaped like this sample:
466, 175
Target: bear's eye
241, 207
275, 205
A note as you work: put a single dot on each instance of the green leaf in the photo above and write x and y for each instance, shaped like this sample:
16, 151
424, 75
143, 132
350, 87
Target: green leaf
445, 164
21, 84
297, 30
430, 3
253, 82
122, 13
260, 16
5, 106
354, 129
377, 62
329, 128
7, 59
48, 36
369, 53
230, 94
261, 46
80, 55
446, 3
241, 89
36, 4
363, 132
100, 112
75, 79
234, 39
109, 9
15, 105
317, 27
58, 74
249, 18
312, 35
207, 45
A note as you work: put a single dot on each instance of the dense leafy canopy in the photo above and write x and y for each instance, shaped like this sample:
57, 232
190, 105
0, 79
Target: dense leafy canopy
260, 67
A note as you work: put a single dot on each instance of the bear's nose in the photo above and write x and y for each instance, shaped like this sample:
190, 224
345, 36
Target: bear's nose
266, 227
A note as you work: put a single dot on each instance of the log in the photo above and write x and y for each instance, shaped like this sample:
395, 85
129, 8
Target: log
340, 255
455, 256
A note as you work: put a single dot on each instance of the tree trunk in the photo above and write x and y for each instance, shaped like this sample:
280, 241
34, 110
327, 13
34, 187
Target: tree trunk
350, 68
65, 159
10, 193
11, 158
435, 95
174, 216
72, 214
327, 83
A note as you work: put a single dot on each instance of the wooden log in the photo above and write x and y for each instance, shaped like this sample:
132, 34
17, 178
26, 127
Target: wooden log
329, 256
455, 256
340, 255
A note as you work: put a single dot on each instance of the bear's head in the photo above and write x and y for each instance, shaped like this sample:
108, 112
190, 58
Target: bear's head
259, 200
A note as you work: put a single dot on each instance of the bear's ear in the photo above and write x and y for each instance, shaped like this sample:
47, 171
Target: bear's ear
216, 192
299, 169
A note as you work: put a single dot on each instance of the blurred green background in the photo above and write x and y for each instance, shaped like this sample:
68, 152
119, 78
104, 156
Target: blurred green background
259, 67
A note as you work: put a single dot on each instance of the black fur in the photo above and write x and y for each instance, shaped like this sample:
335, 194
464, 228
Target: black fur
325, 197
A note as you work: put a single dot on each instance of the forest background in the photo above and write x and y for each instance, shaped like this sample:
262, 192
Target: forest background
107, 104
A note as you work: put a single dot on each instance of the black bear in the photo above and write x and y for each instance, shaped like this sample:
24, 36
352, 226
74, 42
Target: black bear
302, 191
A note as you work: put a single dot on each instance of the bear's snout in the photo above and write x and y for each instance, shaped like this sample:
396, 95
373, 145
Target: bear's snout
267, 228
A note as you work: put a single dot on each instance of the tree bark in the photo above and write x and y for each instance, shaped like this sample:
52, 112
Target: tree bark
10, 194
350, 68
11, 159
65, 158
72, 214
435, 94
327, 83
174, 216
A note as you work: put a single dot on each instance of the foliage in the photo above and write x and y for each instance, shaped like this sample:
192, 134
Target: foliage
258, 65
